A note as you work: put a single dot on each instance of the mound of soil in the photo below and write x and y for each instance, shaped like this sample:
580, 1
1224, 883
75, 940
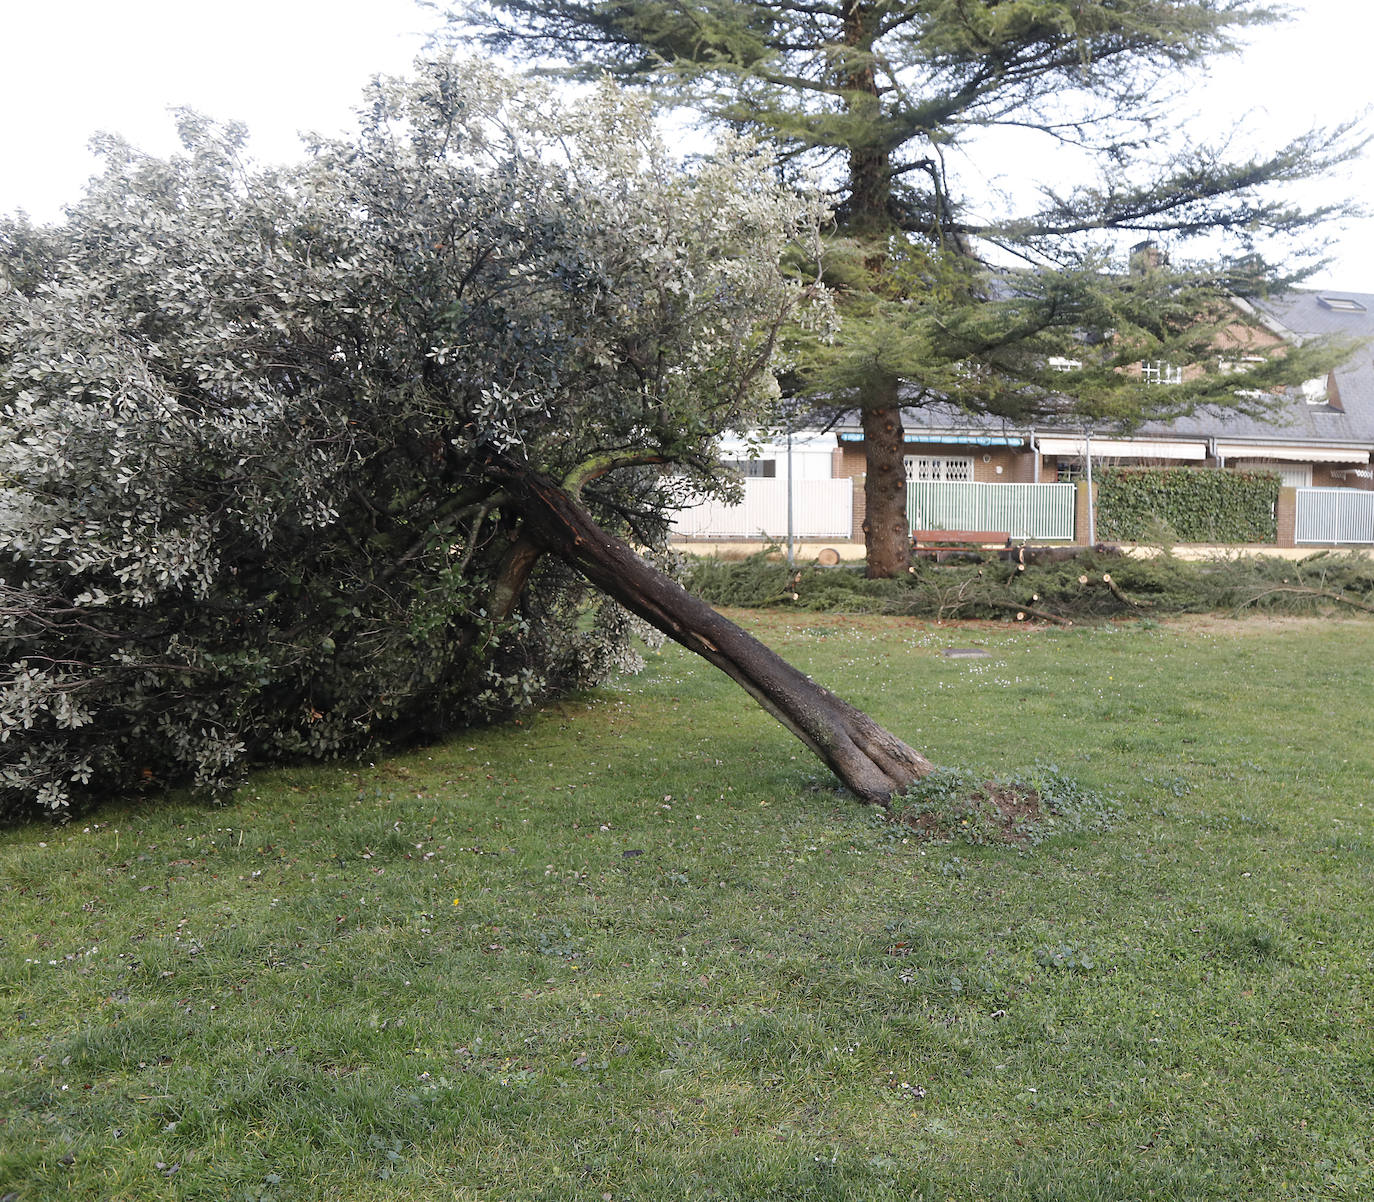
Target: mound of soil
995, 812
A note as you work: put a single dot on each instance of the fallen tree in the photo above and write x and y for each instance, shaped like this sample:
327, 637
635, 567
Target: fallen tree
872, 762
297, 460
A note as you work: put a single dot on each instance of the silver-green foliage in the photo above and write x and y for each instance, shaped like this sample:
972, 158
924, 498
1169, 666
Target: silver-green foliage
247, 507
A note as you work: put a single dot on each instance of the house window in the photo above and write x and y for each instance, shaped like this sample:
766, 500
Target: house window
1157, 371
1059, 363
1291, 475
947, 470
1314, 391
1236, 367
753, 468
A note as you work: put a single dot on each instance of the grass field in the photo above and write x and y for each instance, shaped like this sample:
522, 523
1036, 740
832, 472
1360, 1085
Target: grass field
637, 947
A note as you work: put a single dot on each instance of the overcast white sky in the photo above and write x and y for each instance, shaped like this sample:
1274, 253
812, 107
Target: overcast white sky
76, 66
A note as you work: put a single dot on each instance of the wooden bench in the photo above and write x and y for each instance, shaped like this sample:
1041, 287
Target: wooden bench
959, 538
933, 543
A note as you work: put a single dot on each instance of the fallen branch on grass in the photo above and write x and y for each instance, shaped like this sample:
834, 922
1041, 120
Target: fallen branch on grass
1116, 591
1027, 611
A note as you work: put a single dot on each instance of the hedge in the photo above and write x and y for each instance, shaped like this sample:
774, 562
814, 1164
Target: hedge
1198, 505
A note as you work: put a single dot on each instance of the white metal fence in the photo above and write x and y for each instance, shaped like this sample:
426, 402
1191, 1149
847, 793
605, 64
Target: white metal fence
1334, 515
1022, 510
820, 509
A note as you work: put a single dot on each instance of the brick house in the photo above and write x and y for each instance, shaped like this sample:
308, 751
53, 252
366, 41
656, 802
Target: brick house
1320, 437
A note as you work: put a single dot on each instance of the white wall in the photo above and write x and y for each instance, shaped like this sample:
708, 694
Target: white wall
820, 509
811, 454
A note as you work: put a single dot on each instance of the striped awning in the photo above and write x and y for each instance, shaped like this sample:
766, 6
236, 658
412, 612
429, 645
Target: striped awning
1123, 448
1291, 453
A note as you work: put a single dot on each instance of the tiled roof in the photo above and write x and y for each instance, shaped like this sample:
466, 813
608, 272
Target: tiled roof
1303, 315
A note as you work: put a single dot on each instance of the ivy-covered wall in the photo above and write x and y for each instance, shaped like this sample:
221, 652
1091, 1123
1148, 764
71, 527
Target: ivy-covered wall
1199, 505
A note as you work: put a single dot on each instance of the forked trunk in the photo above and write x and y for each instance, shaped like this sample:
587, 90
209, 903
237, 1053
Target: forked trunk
870, 761
887, 534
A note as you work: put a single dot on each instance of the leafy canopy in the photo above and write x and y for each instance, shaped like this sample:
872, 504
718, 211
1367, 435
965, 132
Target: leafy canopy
248, 505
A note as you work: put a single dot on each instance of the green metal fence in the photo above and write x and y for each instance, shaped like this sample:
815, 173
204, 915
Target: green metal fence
1022, 510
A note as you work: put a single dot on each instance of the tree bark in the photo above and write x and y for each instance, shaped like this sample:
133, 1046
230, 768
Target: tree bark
872, 763
866, 215
512, 576
887, 533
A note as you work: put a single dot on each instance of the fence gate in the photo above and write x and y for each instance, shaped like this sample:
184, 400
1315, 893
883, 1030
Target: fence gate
1023, 510
1334, 515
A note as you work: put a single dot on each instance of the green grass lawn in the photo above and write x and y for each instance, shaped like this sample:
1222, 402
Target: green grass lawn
637, 947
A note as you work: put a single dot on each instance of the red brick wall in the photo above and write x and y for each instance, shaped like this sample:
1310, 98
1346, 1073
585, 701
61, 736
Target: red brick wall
848, 460
987, 473
1286, 512
1081, 533
1018, 467
1022, 469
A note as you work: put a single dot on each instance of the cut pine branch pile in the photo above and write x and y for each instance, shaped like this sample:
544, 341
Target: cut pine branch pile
1320, 594
1090, 585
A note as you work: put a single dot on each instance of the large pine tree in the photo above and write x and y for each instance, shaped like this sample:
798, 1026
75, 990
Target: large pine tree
895, 103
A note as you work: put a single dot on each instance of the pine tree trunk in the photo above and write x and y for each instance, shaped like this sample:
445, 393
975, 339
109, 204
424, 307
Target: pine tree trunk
866, 215
870, 158
871, 762
887, 536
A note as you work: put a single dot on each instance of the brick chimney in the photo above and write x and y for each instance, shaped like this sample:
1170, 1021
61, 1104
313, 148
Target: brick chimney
1146, 256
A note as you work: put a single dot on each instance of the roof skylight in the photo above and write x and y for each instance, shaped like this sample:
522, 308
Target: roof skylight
1341, 304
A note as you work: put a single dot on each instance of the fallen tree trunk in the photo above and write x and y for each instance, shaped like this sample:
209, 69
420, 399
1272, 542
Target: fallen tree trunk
870, 761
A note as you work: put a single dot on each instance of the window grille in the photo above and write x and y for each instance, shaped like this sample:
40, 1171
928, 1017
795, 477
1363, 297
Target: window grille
1157, 371
946, 470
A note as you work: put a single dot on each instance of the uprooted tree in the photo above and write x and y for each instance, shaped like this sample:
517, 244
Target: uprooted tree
296, 460
904, 109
